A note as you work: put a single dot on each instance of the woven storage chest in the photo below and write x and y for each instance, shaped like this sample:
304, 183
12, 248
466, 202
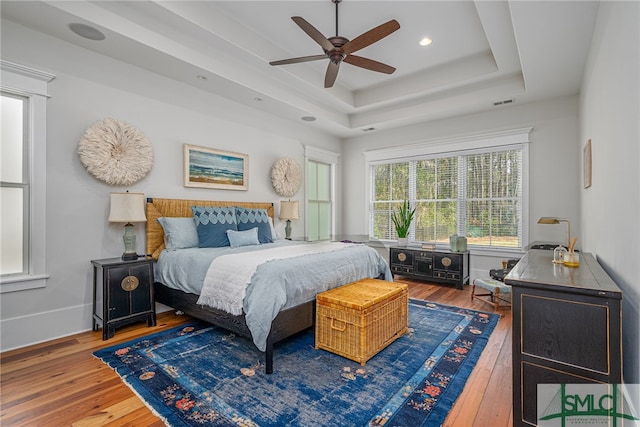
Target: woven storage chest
358, 320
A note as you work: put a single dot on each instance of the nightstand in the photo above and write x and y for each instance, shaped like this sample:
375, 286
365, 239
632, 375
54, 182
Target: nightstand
122, 293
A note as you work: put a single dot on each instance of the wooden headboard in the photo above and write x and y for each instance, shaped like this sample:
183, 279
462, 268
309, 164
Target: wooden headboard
157, 208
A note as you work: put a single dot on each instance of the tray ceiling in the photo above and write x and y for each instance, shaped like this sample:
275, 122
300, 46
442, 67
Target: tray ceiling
483, 52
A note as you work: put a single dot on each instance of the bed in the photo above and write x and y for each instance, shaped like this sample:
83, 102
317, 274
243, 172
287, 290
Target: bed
285, 317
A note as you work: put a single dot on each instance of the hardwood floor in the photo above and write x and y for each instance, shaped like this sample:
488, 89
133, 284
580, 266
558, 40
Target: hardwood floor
60, 383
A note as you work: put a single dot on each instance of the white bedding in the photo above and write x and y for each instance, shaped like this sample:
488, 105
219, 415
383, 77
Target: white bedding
277, 284
227, 278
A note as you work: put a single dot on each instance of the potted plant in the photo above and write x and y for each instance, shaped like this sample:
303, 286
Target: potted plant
402, 220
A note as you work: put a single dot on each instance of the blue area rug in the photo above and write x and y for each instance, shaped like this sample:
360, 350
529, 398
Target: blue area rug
201, 375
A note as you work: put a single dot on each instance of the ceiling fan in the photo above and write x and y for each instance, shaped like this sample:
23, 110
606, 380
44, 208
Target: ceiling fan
339, 49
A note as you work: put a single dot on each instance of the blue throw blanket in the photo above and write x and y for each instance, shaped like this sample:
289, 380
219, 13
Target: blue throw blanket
276, 285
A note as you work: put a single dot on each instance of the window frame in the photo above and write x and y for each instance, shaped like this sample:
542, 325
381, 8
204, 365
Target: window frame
496, 141
33, 84
319, 155
23, 183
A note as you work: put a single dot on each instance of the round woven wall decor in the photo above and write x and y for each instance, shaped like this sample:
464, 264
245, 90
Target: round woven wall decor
115, 152
286, 177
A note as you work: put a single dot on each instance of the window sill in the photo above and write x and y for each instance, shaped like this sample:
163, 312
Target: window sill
23, 283
498, 252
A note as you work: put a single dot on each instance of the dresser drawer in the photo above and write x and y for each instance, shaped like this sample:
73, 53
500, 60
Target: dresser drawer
401, 269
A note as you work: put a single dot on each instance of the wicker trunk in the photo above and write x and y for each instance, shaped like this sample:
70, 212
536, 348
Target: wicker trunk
358, 320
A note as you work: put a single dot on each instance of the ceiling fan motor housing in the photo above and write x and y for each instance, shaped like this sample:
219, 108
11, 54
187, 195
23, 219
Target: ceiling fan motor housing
336, 54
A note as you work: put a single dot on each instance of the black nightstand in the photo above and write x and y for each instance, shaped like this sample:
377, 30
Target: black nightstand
122, 293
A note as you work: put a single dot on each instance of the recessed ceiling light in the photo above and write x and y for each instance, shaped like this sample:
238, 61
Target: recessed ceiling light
86, 31
308, 118
426, 41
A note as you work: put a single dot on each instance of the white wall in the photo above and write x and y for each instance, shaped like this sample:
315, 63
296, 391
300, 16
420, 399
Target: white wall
610, 117
554, 165
89, 87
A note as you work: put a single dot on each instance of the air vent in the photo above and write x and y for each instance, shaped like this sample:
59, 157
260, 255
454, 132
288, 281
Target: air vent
506, 101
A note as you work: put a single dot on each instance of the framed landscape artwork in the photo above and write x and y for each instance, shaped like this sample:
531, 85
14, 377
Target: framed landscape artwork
208, 168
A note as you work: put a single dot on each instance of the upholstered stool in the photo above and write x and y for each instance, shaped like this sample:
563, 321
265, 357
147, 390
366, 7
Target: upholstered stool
497, 290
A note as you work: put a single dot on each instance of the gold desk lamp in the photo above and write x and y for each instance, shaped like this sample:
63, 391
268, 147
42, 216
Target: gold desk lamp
561, 254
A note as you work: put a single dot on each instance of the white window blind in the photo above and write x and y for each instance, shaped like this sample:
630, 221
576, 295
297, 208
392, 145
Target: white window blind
436, 198
477, 192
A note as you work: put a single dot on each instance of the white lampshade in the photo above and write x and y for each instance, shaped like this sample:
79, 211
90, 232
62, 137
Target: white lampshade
127, 207
288, 210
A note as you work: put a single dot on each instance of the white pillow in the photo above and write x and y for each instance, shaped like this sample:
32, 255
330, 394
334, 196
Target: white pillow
274, 235
179, 233
243, 238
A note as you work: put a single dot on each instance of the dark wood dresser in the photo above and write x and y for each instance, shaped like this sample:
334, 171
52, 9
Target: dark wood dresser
440, 266
566, 328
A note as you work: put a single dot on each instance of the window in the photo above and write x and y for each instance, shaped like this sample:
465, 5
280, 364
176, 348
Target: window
319, 200
23, 177
473, 191
14, 185
320, 171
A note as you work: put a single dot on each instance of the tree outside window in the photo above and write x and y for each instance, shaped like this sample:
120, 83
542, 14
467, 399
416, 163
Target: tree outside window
474, 195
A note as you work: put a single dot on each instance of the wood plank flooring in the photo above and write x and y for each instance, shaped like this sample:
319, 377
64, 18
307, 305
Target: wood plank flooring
60, 383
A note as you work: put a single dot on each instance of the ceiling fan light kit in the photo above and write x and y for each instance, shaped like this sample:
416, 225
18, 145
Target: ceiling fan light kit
340, 49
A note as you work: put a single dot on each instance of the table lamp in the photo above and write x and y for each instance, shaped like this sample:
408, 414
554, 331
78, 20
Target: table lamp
288, 211
128, 208
554, 220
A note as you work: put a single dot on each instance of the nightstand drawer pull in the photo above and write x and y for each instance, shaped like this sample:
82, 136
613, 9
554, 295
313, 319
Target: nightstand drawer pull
130, 283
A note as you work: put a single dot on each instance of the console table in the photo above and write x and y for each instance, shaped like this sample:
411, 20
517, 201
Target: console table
440, 266
566, 327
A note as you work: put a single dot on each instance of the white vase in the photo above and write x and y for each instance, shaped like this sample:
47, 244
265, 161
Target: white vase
402, 241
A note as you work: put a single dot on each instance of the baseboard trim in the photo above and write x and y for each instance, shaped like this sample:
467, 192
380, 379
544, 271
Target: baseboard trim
22, 331
37, 328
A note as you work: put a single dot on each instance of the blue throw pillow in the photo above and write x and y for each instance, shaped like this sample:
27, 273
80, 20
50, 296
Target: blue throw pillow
243, 238
212, 223
179, 233
248, 218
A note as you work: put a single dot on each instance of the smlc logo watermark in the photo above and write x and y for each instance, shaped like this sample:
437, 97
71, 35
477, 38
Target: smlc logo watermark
610, 405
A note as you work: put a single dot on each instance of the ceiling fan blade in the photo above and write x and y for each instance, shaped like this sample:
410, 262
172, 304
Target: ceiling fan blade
371, 36
369, 64
313, 33
299, 59
332, 73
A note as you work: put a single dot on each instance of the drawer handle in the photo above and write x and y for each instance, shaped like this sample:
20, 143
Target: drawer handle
333, 326
130, 283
